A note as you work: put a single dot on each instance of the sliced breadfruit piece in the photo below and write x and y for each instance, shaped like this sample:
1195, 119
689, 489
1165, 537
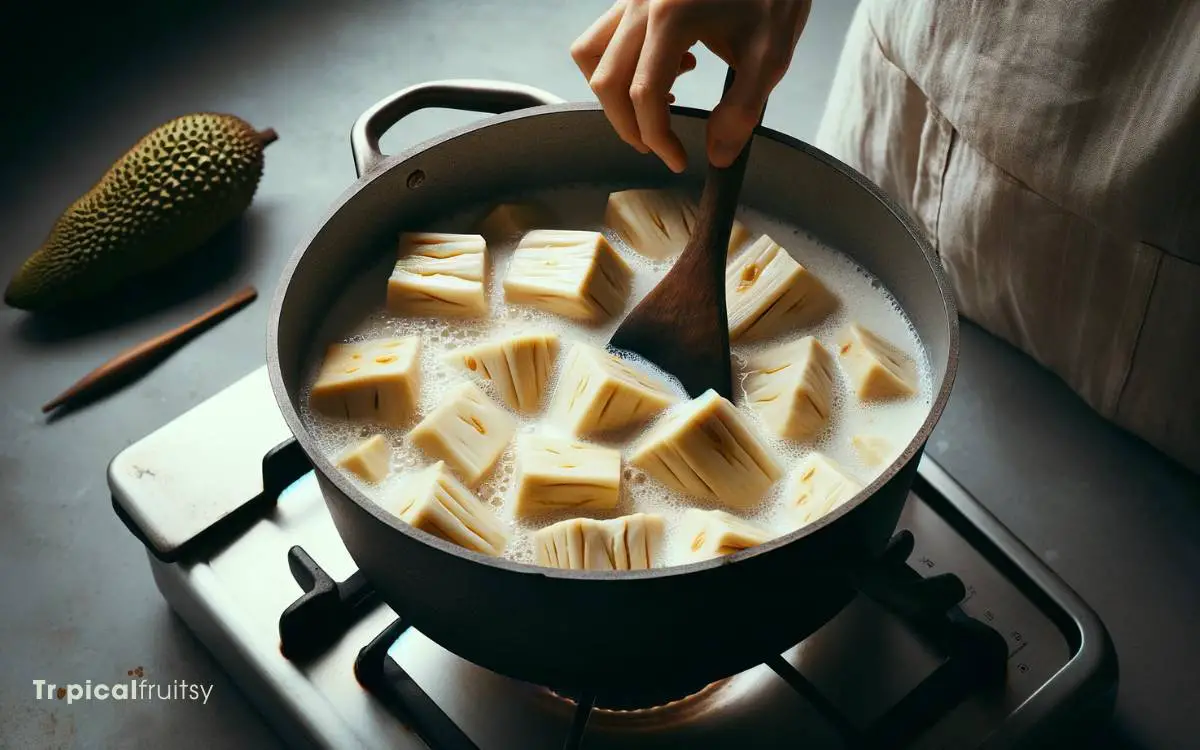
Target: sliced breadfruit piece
707, 448
570, 273
873, 450
519, 366
598, 392
817, 486
439, 275
508, 221
706, 534
878, 369
790, 387
658, 223
626, 543
556, 473
369, 460
467, 431
434, 501
372, 381
767, 292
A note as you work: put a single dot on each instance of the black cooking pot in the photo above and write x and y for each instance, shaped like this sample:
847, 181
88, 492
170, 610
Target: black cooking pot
602, 631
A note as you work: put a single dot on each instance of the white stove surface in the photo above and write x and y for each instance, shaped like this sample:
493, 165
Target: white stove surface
863, 660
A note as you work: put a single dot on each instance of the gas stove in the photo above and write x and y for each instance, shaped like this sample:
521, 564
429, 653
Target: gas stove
243, 549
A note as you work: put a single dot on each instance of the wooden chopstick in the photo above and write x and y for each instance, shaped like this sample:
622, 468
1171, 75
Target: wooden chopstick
132, 358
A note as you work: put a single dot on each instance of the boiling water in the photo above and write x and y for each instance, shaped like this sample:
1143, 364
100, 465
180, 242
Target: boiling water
864, 300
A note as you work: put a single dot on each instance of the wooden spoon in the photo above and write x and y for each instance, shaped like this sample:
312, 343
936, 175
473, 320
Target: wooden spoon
148, 353
682, 324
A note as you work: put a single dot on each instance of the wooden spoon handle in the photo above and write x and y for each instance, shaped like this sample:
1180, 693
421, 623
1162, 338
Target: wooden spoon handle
719, 200
131, 358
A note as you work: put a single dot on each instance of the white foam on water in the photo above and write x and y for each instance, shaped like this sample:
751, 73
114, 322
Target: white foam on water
864, 300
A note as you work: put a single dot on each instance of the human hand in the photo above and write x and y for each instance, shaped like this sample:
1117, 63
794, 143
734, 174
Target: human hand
633, 53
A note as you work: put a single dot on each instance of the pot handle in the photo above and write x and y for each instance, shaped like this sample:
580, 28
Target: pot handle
470, 95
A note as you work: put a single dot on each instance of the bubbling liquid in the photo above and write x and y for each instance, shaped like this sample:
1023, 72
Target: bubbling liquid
864, 300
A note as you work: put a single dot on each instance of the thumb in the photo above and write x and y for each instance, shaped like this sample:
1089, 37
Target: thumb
734, 118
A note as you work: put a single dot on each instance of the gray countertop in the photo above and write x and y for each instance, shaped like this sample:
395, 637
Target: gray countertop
1115, 519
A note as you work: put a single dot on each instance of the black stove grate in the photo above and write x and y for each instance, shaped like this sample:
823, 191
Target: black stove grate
974, 654
319, 618
400, 693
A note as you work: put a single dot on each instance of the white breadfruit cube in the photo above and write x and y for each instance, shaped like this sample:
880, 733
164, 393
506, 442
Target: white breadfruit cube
739, 235
791, 388
659, 223
706, 448
554, 473
878, 370
434, 501
767, 291
712, 533
598, 392
374, 381
817, 486
519, 366
574, 274
625, 543
369, 460
507, 221
467, 431
873, 450
439, 275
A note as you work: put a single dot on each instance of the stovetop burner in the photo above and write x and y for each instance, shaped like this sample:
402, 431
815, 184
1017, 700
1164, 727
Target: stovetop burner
983, 647
974, 655
633, 700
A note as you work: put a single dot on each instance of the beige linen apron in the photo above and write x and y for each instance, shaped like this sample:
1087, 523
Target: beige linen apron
1051, 151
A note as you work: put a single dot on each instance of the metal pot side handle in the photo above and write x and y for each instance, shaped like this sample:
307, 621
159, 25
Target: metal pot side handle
469, 95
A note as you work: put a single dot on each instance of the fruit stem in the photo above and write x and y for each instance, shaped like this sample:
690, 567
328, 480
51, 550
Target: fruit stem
267, 137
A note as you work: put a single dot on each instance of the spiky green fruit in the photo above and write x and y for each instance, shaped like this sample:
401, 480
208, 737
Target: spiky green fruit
164, 198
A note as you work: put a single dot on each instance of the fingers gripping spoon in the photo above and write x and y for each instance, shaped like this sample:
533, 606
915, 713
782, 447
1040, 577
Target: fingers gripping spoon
682, 324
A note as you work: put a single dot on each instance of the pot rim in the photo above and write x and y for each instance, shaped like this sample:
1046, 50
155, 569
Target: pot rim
326, 468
